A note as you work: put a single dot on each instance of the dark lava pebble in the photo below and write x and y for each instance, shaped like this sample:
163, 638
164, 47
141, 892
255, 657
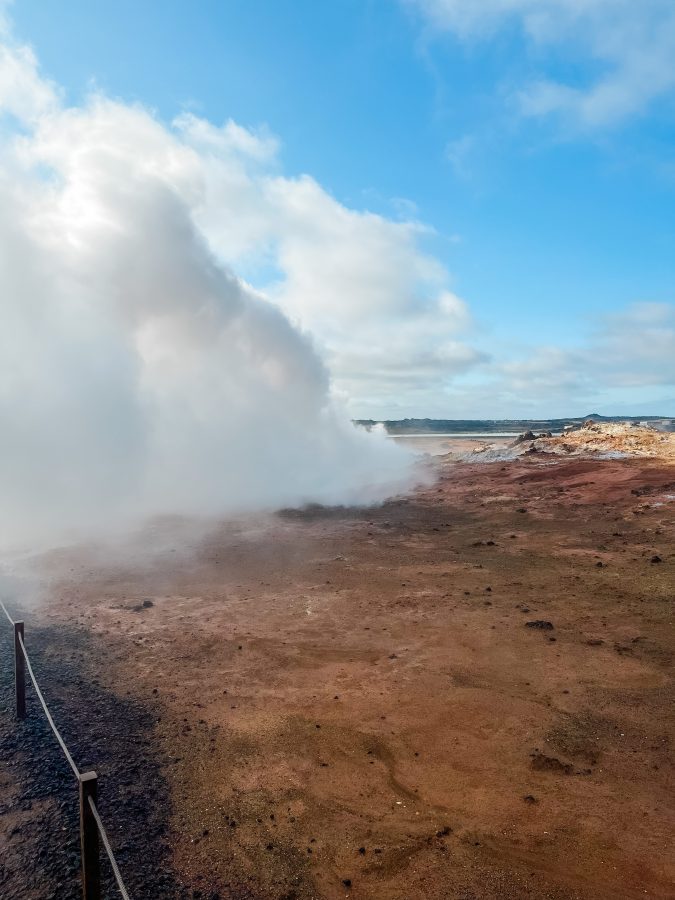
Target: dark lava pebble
39, 820
540, 623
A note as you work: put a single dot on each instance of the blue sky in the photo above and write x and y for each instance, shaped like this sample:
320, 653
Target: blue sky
533, 150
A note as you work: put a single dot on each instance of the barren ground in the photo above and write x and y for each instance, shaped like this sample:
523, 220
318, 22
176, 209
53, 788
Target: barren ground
350, 702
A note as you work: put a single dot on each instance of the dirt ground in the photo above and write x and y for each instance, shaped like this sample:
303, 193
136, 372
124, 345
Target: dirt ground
464, 693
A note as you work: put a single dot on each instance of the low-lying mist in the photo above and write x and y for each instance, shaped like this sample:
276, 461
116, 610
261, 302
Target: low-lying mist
139, 376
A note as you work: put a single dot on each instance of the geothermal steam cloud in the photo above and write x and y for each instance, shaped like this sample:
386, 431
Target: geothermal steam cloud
139, 375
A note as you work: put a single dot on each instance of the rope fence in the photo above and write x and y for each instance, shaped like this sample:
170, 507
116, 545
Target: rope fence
108, 849
4, 609
57, 735
91, 825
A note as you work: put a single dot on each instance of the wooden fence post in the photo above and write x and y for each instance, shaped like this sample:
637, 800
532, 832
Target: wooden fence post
91, 881
19, 672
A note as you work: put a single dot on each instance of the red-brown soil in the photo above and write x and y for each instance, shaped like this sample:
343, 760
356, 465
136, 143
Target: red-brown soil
350, 702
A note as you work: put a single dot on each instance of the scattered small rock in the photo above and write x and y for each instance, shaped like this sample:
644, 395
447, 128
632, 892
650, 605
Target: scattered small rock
540, 623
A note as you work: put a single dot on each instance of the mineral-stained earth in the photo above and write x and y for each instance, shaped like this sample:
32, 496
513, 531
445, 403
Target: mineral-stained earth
464, 693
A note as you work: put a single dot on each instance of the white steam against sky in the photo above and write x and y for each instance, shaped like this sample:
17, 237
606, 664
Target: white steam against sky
138, 374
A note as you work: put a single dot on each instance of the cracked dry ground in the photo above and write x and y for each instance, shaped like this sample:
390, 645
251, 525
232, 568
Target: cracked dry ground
350, 702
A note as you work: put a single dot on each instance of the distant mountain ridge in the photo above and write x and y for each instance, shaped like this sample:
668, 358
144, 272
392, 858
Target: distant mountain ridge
488, 426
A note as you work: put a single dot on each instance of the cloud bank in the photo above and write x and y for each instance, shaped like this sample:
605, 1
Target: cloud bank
138, 374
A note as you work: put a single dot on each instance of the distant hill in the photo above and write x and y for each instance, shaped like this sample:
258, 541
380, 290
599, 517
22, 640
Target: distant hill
488, 426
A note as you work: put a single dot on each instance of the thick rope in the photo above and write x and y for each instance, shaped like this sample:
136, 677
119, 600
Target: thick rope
76, 771
4, 609
108, 849
47, 713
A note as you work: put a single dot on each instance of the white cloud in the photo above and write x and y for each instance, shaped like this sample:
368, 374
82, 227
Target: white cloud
624, 366
631, 41
23, 93
359, 282
5, 25
628, 351
458, 153
635, 347
231, 140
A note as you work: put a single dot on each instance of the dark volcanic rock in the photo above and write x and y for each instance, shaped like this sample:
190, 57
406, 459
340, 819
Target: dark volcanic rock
527, 436
540, 623
113, 736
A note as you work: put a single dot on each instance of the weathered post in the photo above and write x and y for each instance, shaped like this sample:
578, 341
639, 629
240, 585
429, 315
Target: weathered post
19, 672
91, 881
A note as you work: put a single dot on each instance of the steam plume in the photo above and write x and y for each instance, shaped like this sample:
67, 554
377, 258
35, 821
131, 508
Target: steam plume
138, 374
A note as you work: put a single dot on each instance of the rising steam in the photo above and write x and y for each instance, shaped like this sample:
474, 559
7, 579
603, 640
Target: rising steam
138, 374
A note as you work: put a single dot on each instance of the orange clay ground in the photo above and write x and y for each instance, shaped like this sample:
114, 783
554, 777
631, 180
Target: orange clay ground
350, 702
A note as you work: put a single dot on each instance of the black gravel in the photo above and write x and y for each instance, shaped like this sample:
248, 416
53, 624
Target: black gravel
39, 823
